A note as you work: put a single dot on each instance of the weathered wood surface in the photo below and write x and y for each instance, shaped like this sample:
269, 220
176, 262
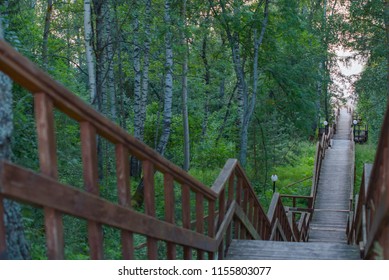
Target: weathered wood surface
273, 250
331, 211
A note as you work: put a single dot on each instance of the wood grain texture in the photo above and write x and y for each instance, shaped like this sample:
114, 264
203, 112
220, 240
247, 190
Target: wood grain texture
26, 186
169, 211
268, 250
149, 199
89, 160
44, 116
185, 196
124, 196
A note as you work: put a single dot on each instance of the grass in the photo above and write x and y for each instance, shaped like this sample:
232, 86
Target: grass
364, 153
289, 174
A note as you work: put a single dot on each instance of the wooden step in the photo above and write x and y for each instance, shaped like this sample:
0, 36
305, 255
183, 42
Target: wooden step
274, 250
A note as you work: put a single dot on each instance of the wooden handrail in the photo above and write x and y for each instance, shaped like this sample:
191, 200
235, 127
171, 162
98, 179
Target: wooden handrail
233, 209
369, 226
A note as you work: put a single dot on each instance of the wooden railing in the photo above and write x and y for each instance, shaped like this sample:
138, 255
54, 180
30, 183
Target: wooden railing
321, 149
229, 209
370, 223
299, 217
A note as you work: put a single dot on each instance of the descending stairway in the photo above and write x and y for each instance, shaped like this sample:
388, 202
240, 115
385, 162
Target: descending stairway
327, 234
274, 250
332, 200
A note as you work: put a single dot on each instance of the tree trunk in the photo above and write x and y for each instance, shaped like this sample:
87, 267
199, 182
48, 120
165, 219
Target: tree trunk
120, 88
110, 69
386, 19
141, 79
185, 118
89, 52
168, 99
146, 64
46, 33
17, 247
250, 105
100, 9
135, 164
207, 80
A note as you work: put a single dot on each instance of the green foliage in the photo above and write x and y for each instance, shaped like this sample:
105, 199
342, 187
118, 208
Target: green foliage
363, 154
300, 166
291, 59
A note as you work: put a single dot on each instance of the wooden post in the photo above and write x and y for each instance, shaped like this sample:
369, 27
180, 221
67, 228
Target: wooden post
90, 170
244, 207
211, 224
124, 196
251, 212
149, 196
222, 211
200, 220
44, 116
231, 183
239, 202
168, 183
186, 217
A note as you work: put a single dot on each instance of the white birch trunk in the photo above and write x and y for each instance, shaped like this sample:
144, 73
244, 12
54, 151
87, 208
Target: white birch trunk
185, 118
17, 247
146, 64
110, 61
89, 51
168, 99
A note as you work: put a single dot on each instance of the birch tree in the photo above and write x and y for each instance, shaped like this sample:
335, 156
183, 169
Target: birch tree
250, 104
141, 76
184, 90
17, 247
89, 51
168, 91
230, 18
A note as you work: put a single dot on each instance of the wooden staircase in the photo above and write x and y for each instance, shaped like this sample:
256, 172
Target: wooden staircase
327, 229
273, 250
225, 220
332, 205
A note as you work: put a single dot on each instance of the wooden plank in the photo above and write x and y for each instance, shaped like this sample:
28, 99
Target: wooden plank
274, 250
245, 222
211, 225
200, 220
124, 196
243, 232
27, 186
221, 235
149, 197
222, 206
231, 182
3, 242
90, 173
169, 211
224, 175
44, 116
185, 194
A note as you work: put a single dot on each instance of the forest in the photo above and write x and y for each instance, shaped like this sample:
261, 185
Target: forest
199, 82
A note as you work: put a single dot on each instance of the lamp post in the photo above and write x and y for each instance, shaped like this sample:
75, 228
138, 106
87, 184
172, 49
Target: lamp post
274, 179
325, 126
355, 122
